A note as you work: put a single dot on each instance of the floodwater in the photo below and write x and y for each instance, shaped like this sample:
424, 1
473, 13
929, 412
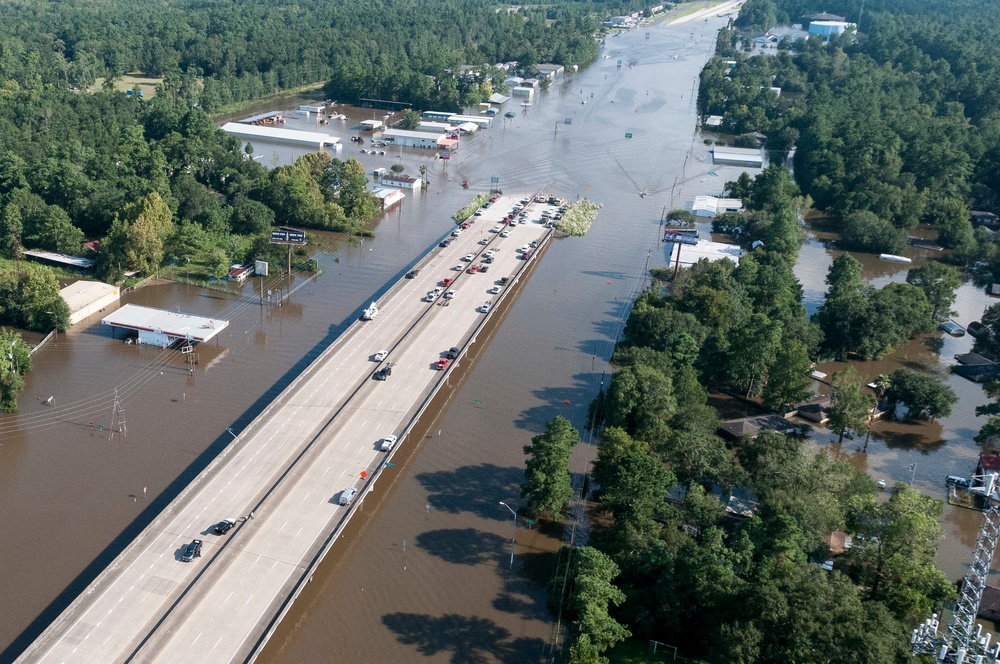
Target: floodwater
426, 574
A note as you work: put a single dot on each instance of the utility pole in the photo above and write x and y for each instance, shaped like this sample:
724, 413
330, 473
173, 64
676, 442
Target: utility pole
117, 418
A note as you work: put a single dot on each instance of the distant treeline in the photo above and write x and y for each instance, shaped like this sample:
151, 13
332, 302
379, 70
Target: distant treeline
896, 127
403, 50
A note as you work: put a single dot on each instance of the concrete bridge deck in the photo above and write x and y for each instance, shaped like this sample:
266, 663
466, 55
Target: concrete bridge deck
288, 469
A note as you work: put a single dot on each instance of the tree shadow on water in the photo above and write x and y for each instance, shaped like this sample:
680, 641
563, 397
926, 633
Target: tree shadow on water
475, 489
462, 546
469, 639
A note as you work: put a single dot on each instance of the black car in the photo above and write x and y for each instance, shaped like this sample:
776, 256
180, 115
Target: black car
192, 551
224, 527
485, 268
452, 353
412, 274
383, 373
444, 243
503, 281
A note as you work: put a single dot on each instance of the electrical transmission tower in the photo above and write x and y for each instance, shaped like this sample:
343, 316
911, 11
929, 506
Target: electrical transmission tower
963, 641
117, 418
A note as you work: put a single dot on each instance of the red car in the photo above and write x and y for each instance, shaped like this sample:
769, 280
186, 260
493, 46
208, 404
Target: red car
443, 364
473, 269
466, 224
446, 282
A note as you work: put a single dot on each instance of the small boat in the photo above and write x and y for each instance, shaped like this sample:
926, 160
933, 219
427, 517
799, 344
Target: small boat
893, 258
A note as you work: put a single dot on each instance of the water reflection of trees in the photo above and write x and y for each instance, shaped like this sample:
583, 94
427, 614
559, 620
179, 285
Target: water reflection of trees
462, 546
469, 639
473, 489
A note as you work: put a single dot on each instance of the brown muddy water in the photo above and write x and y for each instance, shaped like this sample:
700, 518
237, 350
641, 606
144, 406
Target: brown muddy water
70, 498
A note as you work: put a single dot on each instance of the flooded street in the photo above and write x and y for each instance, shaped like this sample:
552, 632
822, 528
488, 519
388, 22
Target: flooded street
425, 574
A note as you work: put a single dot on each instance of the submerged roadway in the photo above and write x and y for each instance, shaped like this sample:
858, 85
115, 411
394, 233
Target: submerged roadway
281, 479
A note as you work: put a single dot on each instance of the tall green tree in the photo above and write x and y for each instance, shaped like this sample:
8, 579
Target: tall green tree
15, 362
591, 600
894, 549
850, 405
939, 283
788, 379
921, 393
547, 480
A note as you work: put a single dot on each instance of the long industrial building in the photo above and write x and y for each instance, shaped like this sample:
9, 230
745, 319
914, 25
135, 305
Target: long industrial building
317, 139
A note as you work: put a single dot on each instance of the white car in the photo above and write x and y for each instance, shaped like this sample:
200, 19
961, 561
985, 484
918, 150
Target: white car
450, 294
458, 268
485, 307
468, 258
456, 232
381, 355
505, 234
491, 253
388, 443
494, 291
496, 229
484, 241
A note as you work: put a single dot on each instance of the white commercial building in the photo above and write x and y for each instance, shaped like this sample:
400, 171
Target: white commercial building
709, 206
314, 138
479, 120
371, 125
413, 139
689, 254
523, 92
827, 28
738, 157
88, 297
388, 197
434, 127
159, 327
400, 180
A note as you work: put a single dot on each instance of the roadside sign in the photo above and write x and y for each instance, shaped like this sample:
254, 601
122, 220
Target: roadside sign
284, 235
446, 155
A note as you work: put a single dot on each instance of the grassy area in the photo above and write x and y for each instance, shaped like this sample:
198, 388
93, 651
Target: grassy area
134, 82
578, 218
469, 209
300, 91
683, 10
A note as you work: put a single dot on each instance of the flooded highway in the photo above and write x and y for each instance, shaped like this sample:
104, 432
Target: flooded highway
425, 572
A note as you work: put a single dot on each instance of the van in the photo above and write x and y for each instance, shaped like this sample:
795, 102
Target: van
347, 495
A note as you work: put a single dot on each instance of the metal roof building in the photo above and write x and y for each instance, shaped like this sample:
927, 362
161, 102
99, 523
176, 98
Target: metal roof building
709, 206
688, 254
479, 120
158, 327
434, 127
62, 259
87, 297
415, 139
314, 138
737, 157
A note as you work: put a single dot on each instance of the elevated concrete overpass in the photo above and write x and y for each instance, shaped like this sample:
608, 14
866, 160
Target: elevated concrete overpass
282, 477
